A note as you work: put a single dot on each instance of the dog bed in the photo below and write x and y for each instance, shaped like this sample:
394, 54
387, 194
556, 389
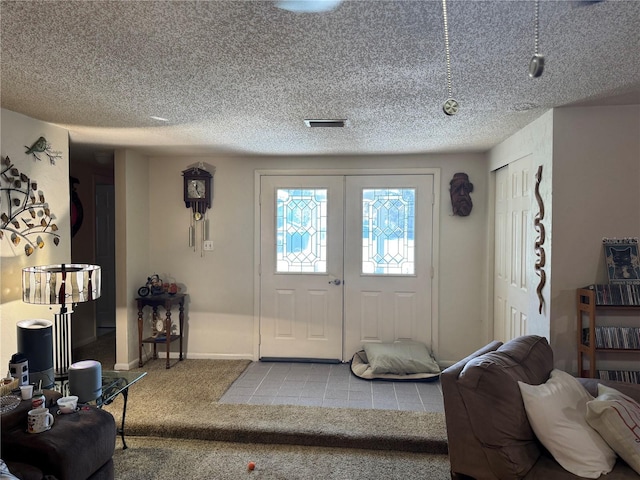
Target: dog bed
408, 361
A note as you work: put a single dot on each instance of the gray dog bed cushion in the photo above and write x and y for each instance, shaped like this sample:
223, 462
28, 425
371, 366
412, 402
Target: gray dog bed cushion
409, 361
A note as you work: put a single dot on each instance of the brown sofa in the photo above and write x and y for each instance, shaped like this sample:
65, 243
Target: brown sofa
79, 446
488, 431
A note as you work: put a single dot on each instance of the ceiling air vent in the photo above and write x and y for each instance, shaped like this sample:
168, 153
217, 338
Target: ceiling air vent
325, 123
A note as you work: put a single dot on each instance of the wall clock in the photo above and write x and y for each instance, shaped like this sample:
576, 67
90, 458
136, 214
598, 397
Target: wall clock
197, 190
198, 195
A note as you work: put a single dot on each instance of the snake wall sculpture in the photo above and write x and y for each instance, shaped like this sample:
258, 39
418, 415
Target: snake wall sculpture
539, 249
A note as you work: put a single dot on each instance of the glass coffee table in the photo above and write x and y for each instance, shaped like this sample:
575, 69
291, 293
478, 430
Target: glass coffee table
114, 383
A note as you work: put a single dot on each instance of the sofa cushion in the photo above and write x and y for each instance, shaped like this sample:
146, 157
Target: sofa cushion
557, 412
488, 385
629, 389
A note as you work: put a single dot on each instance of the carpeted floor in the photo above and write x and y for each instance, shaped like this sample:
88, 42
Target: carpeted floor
150, 458
182, 403
176, 429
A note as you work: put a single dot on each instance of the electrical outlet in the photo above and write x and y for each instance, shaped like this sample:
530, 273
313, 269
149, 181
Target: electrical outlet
208, 245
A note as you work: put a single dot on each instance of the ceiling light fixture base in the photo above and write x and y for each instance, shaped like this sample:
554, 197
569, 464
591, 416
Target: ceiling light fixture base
451, 107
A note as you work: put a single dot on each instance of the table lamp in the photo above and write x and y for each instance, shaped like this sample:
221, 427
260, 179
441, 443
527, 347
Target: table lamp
65, 284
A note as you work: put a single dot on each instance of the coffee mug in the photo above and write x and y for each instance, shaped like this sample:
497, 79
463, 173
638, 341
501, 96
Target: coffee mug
39, 420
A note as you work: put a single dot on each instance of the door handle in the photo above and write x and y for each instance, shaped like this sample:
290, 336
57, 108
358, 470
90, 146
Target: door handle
337, 281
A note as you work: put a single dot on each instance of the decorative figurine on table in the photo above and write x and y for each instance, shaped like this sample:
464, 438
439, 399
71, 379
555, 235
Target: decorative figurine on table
153, 286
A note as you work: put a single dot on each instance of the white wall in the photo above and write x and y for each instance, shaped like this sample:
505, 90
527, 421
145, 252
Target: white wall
133, 242
220, 309
596, 157
17, 132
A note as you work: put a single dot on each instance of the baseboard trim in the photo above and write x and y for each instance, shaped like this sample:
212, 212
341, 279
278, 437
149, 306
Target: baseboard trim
192, 356
301, 360
215, 356
126, 366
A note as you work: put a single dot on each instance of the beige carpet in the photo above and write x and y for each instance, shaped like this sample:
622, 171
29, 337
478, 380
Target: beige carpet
182, 403
177, 430
163, 459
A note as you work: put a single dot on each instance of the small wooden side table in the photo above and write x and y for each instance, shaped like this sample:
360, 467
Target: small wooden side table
167, 301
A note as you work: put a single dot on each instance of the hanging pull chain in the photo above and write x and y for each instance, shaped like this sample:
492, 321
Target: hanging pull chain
536, 27
536, 65
451, 106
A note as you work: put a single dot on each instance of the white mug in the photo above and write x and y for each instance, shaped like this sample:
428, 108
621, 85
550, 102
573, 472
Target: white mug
39, 420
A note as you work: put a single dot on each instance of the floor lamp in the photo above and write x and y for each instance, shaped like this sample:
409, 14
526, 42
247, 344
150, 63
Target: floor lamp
65, 284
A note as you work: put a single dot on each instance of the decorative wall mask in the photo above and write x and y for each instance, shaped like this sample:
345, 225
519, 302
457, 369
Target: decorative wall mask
539, 249
26, 217
460, 189
42, 146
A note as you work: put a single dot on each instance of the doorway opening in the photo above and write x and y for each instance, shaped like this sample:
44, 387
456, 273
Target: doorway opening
93, 242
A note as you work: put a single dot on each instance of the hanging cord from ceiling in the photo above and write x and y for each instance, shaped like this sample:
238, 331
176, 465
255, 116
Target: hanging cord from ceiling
451, 105
536, 65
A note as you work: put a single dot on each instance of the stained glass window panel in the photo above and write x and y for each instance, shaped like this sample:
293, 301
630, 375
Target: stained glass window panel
388, 225
301, 230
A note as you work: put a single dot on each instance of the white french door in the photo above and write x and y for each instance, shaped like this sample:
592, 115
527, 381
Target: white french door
387, 260
301, 261
344, 260
514, 185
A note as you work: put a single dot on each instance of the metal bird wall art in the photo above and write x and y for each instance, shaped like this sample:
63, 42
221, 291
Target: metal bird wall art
42, 146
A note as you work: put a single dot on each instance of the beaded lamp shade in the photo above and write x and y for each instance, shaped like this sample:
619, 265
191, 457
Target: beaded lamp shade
61, 284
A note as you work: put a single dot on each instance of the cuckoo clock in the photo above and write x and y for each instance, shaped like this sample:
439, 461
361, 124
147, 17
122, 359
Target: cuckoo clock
198, 194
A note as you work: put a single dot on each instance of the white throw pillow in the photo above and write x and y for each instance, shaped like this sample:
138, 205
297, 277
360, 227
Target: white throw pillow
617, 418
556, 411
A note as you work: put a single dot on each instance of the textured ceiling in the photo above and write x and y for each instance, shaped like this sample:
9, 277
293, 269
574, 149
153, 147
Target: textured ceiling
241, 76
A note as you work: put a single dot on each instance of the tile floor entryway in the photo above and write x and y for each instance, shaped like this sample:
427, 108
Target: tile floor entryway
329, 385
